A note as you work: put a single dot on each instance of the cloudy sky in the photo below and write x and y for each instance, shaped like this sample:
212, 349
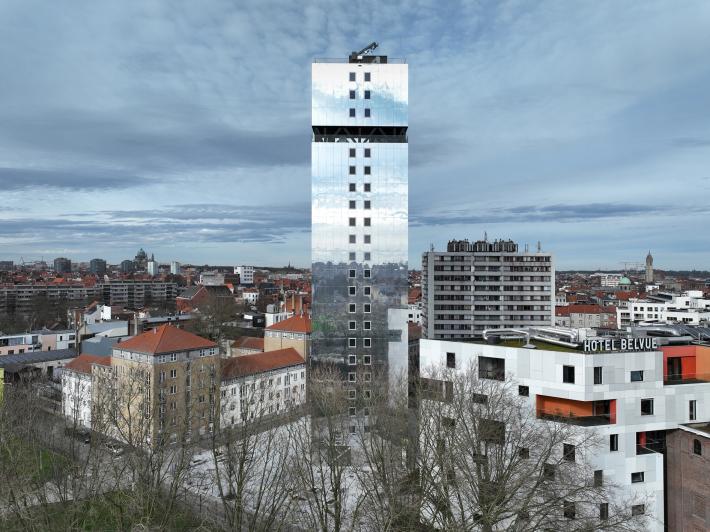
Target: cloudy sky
183, 127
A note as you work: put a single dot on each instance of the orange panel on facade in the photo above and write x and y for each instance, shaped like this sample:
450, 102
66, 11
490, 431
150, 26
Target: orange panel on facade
564, 407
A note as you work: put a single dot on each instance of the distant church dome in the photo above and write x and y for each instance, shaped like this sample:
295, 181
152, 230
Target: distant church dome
624, 280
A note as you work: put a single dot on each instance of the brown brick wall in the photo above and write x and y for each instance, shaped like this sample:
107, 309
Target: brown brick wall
688, 482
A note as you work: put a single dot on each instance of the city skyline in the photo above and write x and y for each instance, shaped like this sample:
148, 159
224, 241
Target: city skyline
181, 129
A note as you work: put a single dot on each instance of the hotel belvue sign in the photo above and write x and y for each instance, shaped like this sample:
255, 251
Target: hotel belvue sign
602, 345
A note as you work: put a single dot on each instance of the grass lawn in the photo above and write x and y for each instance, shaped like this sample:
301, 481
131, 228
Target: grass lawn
35, 464
537, 343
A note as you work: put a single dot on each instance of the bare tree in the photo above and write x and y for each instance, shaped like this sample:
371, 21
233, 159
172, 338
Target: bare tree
487, 463
251, 450
326, 488
214, 317
381, 448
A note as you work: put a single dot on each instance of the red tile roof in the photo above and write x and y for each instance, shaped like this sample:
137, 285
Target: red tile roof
249, 342
164, 339
301, 324
83, 363
260, 362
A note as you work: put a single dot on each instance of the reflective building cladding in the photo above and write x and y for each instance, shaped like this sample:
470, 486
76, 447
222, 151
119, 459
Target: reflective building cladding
359, 157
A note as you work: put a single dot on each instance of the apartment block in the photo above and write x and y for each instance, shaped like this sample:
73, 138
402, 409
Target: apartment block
261, 385
172, 377
485, 285
137, 294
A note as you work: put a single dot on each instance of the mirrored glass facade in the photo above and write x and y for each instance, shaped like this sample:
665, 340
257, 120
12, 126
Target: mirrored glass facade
359, 156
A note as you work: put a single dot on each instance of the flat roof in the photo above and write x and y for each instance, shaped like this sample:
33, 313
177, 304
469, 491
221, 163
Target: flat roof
696, 428
35, 357
389, 60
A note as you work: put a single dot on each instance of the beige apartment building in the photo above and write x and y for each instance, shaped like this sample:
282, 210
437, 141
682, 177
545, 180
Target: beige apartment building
165, 386
293, 332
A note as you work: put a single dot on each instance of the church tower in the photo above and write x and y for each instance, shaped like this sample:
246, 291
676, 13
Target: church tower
649, 268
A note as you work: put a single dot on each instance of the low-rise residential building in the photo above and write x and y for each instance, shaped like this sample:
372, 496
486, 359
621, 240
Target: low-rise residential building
39, 363
586, 316
629, 391
42, 340
250, 295
19, 343
690, 308
262, 384
609, 280
293, 332
77, 386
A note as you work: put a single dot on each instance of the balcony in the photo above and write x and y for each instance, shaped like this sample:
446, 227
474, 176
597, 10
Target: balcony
687, 378
572, 419
651, 442
582, 413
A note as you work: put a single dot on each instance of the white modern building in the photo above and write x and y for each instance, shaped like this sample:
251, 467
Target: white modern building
246, 274
77, 389
414, 313
250, 295
175, 267
152, 268
261, 385
619, 388
42, 340
608, 280
689, 308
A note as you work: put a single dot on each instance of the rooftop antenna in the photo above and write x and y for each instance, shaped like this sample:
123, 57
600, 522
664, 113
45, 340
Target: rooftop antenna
365, 51
485, 236
539, 247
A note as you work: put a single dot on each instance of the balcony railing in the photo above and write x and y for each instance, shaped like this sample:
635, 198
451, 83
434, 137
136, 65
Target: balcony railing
687, 378
571, 419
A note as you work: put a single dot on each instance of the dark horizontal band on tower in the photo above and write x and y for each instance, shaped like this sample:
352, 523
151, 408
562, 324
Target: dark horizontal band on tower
360, 134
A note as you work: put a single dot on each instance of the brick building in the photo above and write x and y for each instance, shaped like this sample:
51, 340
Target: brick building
688, 477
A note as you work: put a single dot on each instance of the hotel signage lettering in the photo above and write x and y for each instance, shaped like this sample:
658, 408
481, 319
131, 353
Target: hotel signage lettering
620, 344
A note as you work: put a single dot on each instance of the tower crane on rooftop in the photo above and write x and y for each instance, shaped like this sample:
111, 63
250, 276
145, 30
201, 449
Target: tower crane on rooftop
632, 265
365, 51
